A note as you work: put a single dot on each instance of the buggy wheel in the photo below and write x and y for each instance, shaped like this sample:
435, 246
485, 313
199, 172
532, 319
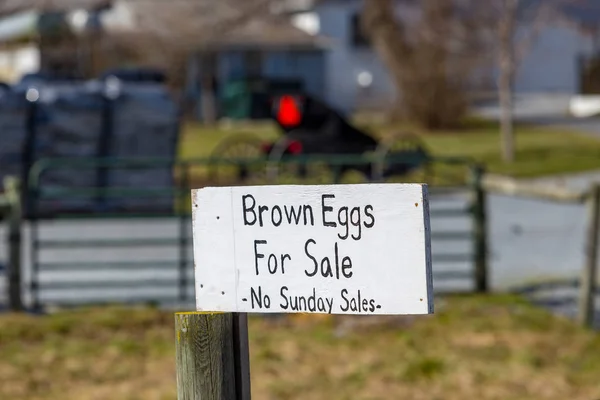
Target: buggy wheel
288, 165
403, 156
237, 159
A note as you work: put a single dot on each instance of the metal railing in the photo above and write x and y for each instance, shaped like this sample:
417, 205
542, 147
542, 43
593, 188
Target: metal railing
112, 253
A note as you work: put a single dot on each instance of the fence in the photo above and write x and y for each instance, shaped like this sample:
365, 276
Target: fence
110, 254
554, 292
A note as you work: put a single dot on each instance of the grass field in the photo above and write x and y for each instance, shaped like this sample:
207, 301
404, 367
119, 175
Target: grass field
472, 348
540, 151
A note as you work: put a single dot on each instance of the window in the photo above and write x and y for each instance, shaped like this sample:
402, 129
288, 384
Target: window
357, 37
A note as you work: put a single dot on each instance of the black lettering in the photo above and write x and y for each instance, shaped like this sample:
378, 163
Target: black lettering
326, 272
326, 209
343, 220
292, 215
302, 303
372, 303
272, 265
358, 302
353, 306
336, 253
256, 254
347, 307
249, 209
284, 306
261, 210
294, 303
259, 299
364, 305
308, 208
256, 297
314, 260
355, 220
370, 215
312, 301
329, 304
273, 218
321, 305
283, 258
347, 265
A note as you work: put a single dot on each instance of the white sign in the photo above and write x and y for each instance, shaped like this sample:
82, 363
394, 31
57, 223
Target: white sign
337, 249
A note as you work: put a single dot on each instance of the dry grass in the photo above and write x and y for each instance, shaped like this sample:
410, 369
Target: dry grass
472, 348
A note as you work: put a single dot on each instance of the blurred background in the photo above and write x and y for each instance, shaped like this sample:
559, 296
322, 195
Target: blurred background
112, 110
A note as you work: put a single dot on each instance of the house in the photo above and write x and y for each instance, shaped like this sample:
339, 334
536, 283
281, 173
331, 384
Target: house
42, 36
558, 61
196, 42
356, 78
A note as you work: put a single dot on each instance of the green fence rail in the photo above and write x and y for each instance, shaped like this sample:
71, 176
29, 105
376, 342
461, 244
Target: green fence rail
88, 254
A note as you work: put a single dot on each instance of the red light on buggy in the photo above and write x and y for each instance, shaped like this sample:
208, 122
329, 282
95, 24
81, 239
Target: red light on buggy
289, 113
295, 147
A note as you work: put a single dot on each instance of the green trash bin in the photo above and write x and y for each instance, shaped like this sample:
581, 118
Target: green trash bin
249, 98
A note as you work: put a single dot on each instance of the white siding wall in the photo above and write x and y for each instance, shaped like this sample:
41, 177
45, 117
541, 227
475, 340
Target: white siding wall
551, 63
549, 66
344, 62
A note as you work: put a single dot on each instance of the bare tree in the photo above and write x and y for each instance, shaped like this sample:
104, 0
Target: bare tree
432, 62
506, 30
516, 25
431, 56
186, 28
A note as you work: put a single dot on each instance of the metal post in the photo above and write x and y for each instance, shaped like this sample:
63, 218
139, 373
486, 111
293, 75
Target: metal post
588, 279
12, 190
105, 144
480, 247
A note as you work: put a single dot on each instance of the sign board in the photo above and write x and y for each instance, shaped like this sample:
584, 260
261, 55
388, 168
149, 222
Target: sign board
337, 249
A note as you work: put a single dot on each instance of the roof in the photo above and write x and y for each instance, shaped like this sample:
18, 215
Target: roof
181, 23
18, 26
219, 23
15, 6
585, 12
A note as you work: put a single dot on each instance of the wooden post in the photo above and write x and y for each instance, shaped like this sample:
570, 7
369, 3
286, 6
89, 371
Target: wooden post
11, 187
480, 247
588, 279
212, 356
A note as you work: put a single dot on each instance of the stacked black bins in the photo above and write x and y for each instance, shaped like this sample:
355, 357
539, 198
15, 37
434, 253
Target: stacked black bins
86, 125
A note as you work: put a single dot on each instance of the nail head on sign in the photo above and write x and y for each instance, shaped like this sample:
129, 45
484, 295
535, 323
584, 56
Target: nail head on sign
222, 292
218, 217
416, 204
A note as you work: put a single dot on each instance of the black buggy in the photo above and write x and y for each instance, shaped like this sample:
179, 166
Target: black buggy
317, 141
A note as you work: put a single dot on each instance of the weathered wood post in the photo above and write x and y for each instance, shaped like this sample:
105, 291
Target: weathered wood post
12, 195
589, 276
210, 364
480, 242
328, 249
